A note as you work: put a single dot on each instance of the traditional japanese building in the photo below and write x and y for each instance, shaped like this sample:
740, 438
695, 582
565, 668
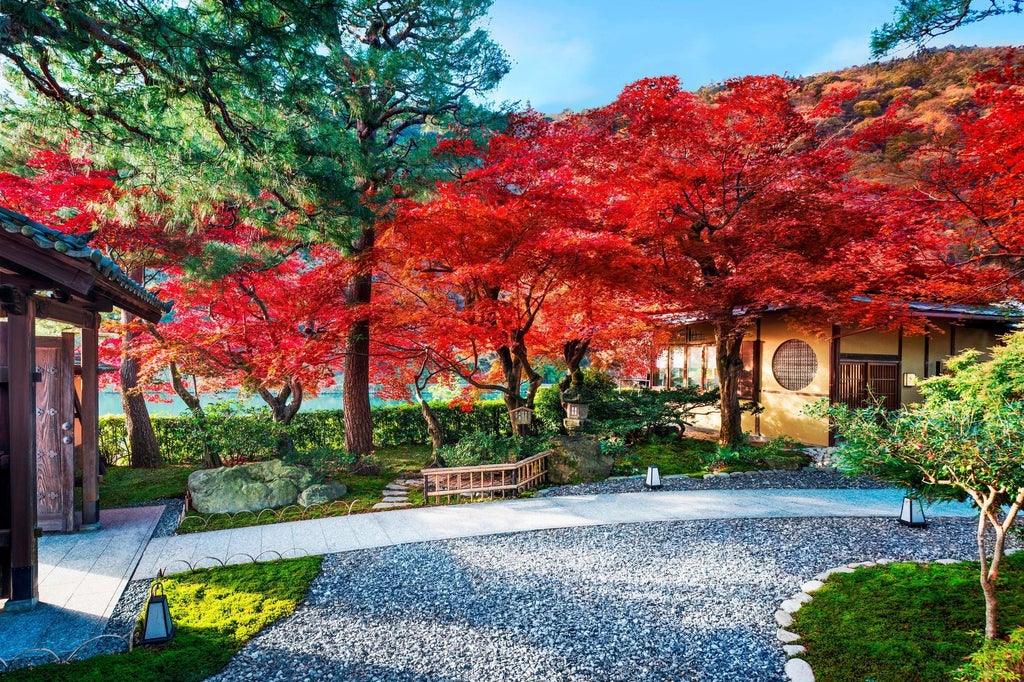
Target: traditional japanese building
786, 368
48, 403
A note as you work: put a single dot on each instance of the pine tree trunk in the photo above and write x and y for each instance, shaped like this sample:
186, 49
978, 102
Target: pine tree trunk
728, 344
143, 449
356, 381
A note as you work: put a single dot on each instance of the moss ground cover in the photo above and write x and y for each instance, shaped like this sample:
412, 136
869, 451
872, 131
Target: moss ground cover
216, 612
697, 457
124, 486
903, 622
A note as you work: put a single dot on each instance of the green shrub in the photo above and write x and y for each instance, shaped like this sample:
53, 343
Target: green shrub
485, 448
997, 661
253, 431
627, 415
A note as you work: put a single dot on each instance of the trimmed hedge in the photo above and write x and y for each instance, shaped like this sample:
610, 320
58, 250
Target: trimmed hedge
394, 425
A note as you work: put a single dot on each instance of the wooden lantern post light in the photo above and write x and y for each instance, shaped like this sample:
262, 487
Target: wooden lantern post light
48, 274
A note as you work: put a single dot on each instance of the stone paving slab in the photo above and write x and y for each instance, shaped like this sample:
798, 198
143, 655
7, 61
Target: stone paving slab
81, 578
422, 524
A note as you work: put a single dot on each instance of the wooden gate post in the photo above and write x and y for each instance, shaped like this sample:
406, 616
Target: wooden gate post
90, 426
21, 356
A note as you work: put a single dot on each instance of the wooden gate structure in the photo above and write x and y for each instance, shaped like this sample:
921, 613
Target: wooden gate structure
48, 274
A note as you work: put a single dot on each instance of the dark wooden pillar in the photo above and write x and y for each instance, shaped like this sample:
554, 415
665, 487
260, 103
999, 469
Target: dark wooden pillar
834, 353
21, 356
90, 426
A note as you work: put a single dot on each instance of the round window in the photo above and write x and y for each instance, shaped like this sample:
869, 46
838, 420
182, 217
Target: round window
794, 365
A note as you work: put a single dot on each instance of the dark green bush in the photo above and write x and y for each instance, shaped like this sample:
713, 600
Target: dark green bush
487, 448
253, 431
628, 415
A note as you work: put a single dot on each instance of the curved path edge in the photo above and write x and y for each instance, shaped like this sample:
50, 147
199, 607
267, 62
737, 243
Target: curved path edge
423, 524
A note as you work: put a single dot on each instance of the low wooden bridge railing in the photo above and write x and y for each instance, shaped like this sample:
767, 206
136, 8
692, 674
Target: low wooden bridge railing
485, 480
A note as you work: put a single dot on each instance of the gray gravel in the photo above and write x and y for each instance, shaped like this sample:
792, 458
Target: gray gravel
168, 523
635, 602
129, 607
805, 479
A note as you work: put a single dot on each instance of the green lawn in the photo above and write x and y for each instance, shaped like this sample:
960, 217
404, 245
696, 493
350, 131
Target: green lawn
124, 486
695, 457
216, 611
903, 622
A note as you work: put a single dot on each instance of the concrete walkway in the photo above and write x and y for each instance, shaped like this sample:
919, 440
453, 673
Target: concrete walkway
81, 578
361, 531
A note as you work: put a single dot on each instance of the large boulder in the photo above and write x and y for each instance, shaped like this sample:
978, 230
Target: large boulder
248, 487
577, 459
322, 493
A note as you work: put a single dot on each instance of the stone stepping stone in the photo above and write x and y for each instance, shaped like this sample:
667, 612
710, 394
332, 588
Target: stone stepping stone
395, 498
396, 486
392, 505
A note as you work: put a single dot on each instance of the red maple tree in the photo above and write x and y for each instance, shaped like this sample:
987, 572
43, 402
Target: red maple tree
506, 264
738, 206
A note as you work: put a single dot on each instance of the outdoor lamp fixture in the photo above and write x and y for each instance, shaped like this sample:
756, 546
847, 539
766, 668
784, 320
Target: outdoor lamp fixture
912, 513
157, 626
653, 481
522, 415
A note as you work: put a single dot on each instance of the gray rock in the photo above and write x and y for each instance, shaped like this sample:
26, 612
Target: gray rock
812, 586
794, 649
247, 487
322, 493
577, 459
799, 670
783, 619
786, 637
791, 605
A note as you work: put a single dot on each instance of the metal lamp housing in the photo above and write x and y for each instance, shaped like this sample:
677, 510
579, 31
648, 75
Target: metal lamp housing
157, 626
653, 481
912, 513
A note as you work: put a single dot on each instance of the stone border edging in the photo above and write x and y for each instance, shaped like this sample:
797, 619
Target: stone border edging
797, 669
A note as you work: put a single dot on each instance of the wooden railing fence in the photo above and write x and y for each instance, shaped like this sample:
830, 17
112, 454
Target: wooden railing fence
486, 480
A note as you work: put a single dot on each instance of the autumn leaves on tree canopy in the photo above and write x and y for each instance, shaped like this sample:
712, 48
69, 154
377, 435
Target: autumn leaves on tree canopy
549, 242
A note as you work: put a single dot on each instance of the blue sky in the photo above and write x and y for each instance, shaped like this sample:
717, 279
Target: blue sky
573, 54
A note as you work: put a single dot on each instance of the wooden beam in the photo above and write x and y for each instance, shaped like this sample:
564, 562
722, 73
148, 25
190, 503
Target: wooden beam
21, 359
63, 312
90, 426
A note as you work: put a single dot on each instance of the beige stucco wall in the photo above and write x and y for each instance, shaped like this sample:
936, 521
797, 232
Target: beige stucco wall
783, 409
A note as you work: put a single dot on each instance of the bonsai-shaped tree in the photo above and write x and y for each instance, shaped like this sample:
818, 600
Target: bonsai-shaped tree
965, 439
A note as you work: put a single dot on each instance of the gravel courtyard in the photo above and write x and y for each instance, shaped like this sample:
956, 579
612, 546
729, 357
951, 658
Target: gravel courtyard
687, 600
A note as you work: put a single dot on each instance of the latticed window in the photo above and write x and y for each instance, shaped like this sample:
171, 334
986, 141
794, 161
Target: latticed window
794, 365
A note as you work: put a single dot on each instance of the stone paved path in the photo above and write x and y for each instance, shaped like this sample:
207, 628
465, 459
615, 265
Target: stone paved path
421, 524
81, 578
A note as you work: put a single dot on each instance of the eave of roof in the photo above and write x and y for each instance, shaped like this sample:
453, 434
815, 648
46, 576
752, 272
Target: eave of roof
76, 246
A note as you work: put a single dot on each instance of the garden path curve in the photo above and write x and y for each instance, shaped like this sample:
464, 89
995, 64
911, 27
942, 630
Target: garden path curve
402, 526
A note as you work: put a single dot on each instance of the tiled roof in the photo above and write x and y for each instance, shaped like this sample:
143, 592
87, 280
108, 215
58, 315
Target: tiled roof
76, 246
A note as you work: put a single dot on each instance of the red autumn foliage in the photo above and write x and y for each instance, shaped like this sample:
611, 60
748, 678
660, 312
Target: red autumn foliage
739, 206
507, 263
